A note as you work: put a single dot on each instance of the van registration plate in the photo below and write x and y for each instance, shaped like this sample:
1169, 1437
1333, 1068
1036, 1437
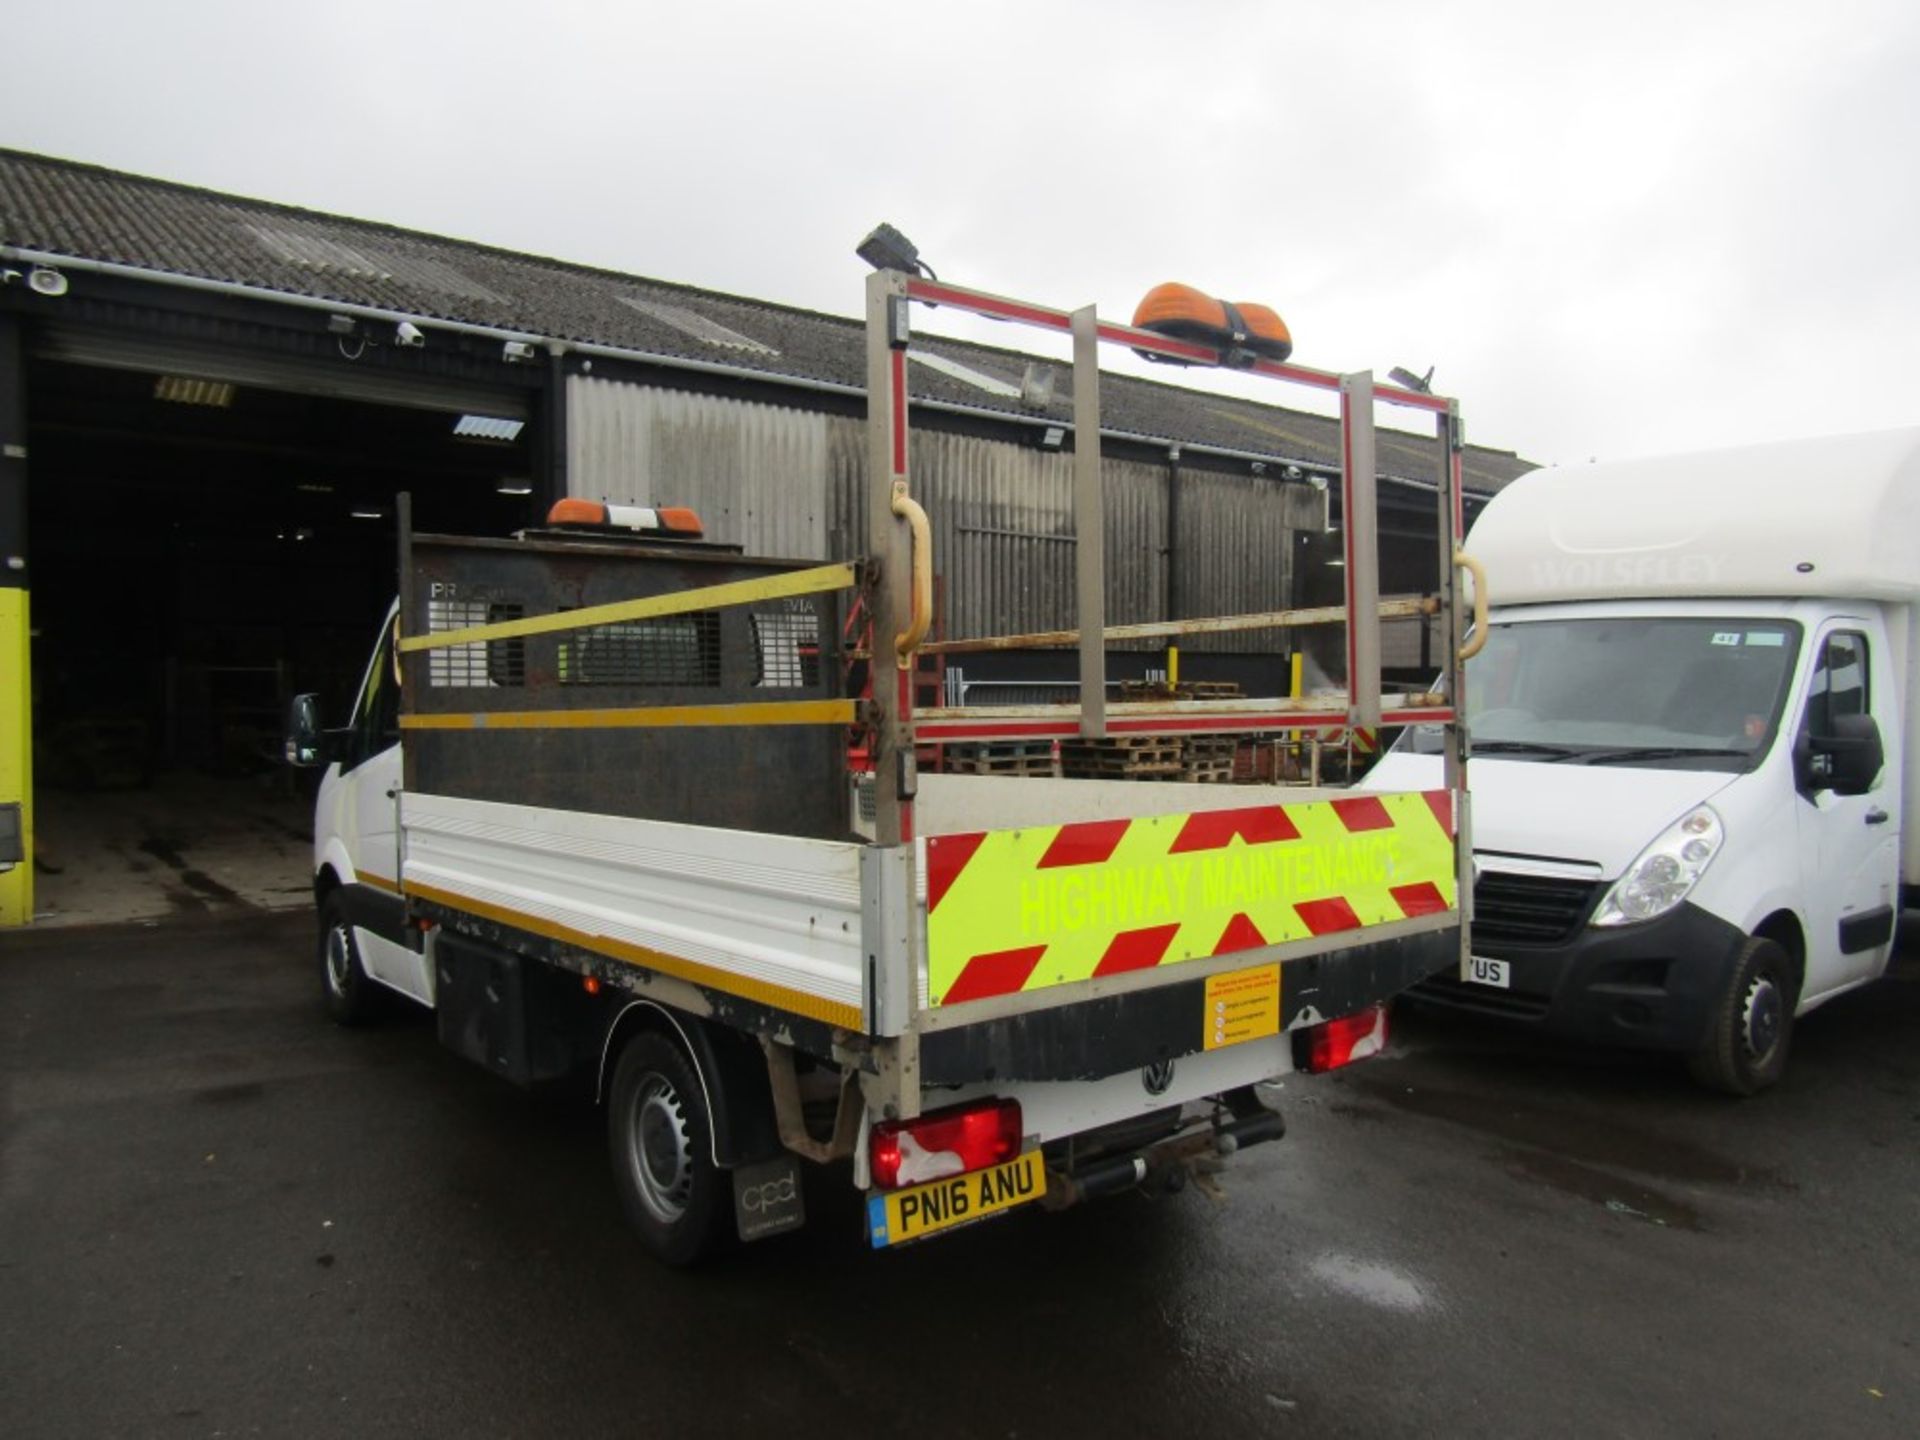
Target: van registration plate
1482, 971
896, 1216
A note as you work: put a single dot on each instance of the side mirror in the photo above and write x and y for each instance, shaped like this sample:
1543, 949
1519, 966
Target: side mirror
1848, 761
306, 742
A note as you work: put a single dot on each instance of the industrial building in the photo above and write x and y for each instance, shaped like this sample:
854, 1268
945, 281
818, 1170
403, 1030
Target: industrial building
210, 404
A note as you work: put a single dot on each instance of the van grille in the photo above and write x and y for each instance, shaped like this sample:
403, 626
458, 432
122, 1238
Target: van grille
1529, 909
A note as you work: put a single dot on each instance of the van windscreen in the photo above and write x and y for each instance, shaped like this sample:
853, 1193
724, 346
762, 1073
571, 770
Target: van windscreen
1701, 692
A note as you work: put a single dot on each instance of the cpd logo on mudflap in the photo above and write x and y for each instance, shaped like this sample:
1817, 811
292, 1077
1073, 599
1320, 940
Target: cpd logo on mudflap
767, 1198
769, 1195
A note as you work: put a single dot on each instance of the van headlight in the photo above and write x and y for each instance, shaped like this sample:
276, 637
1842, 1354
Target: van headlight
1665, 871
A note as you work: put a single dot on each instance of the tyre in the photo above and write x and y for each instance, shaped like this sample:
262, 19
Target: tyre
1746, 1050
350, 997
661, 1142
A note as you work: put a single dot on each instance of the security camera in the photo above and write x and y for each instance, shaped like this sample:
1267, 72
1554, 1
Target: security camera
408, 333
44, 280
516, 350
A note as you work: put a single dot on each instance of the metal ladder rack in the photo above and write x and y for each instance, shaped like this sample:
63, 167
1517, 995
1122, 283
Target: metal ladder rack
903, 566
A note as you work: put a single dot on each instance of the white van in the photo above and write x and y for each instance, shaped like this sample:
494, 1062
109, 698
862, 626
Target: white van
1690, 726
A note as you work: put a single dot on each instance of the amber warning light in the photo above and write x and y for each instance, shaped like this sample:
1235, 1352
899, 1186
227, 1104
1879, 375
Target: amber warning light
649, 519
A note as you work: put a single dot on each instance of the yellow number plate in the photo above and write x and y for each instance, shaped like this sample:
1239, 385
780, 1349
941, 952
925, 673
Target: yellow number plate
894, 1216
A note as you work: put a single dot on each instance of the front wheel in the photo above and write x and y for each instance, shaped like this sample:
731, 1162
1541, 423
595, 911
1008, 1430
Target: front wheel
661, 1141
350, 997
1746, 1050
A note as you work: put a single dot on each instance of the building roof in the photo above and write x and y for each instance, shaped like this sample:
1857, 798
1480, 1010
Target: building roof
86, 212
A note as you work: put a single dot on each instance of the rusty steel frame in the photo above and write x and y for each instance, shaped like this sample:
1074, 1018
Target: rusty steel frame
1403, 609
1358, 394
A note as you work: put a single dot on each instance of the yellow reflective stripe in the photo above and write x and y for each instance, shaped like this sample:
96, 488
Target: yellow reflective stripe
378, 882
838, 576
779, 997
782, 712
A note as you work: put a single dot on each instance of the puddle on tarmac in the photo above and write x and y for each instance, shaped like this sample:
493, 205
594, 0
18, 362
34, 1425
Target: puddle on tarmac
1621, 1198
1368, 1281
1569, 1138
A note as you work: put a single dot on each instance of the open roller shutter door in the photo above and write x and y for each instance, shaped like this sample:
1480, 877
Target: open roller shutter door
327, 375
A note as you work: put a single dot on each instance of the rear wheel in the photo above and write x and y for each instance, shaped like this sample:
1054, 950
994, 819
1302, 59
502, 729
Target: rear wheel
1752, 1024
661, 1140
351, 998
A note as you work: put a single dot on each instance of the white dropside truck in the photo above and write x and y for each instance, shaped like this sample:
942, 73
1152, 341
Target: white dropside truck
1693, 734
632, 808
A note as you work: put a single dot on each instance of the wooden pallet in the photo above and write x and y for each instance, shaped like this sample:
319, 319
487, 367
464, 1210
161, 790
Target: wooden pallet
1208, 758
1142, 690
1122, 757
1000, 757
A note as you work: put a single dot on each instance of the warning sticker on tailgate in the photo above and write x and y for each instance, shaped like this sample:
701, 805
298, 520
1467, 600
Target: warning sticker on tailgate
1243, 1005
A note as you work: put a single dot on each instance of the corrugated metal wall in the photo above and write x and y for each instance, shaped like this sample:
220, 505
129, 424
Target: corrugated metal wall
791, 482
757, 474
1236, 554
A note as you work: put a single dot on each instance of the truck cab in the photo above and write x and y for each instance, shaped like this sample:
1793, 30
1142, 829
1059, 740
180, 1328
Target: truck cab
1689, 724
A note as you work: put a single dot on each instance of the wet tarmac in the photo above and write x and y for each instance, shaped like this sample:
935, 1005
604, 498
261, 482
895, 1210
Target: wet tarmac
221, 1216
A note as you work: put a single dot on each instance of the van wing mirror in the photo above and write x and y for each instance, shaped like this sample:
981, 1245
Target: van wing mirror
307, 744
1849, 760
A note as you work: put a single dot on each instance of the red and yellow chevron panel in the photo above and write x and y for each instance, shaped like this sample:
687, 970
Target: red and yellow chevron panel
1012, 910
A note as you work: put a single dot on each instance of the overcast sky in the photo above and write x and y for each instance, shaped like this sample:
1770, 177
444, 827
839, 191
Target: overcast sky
1613, 228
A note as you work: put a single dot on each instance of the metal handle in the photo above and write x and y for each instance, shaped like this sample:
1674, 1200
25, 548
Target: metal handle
908, 640
1464, 561
1877, 816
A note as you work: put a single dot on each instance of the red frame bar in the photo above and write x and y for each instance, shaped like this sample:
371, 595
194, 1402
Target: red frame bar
1069, 728
934, 292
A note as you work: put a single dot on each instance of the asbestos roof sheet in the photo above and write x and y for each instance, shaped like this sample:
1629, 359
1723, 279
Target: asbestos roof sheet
87, 212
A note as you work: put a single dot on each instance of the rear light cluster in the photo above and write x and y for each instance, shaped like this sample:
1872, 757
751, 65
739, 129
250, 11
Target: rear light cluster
1341, 1042
943, 1143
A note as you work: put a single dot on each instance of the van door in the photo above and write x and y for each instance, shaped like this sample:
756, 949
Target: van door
1849, 844
371, 826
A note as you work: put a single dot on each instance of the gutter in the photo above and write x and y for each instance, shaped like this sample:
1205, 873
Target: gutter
236, 290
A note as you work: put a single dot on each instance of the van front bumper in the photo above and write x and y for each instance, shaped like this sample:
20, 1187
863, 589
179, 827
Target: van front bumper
1652, 985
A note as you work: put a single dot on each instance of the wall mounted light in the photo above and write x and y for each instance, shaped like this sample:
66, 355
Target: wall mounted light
1053, 437
45, 280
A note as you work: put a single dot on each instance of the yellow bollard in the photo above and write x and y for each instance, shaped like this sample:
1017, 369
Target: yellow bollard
16, 751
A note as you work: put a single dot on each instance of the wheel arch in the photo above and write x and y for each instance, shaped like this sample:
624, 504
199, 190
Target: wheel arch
730, 1067
1784, 929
